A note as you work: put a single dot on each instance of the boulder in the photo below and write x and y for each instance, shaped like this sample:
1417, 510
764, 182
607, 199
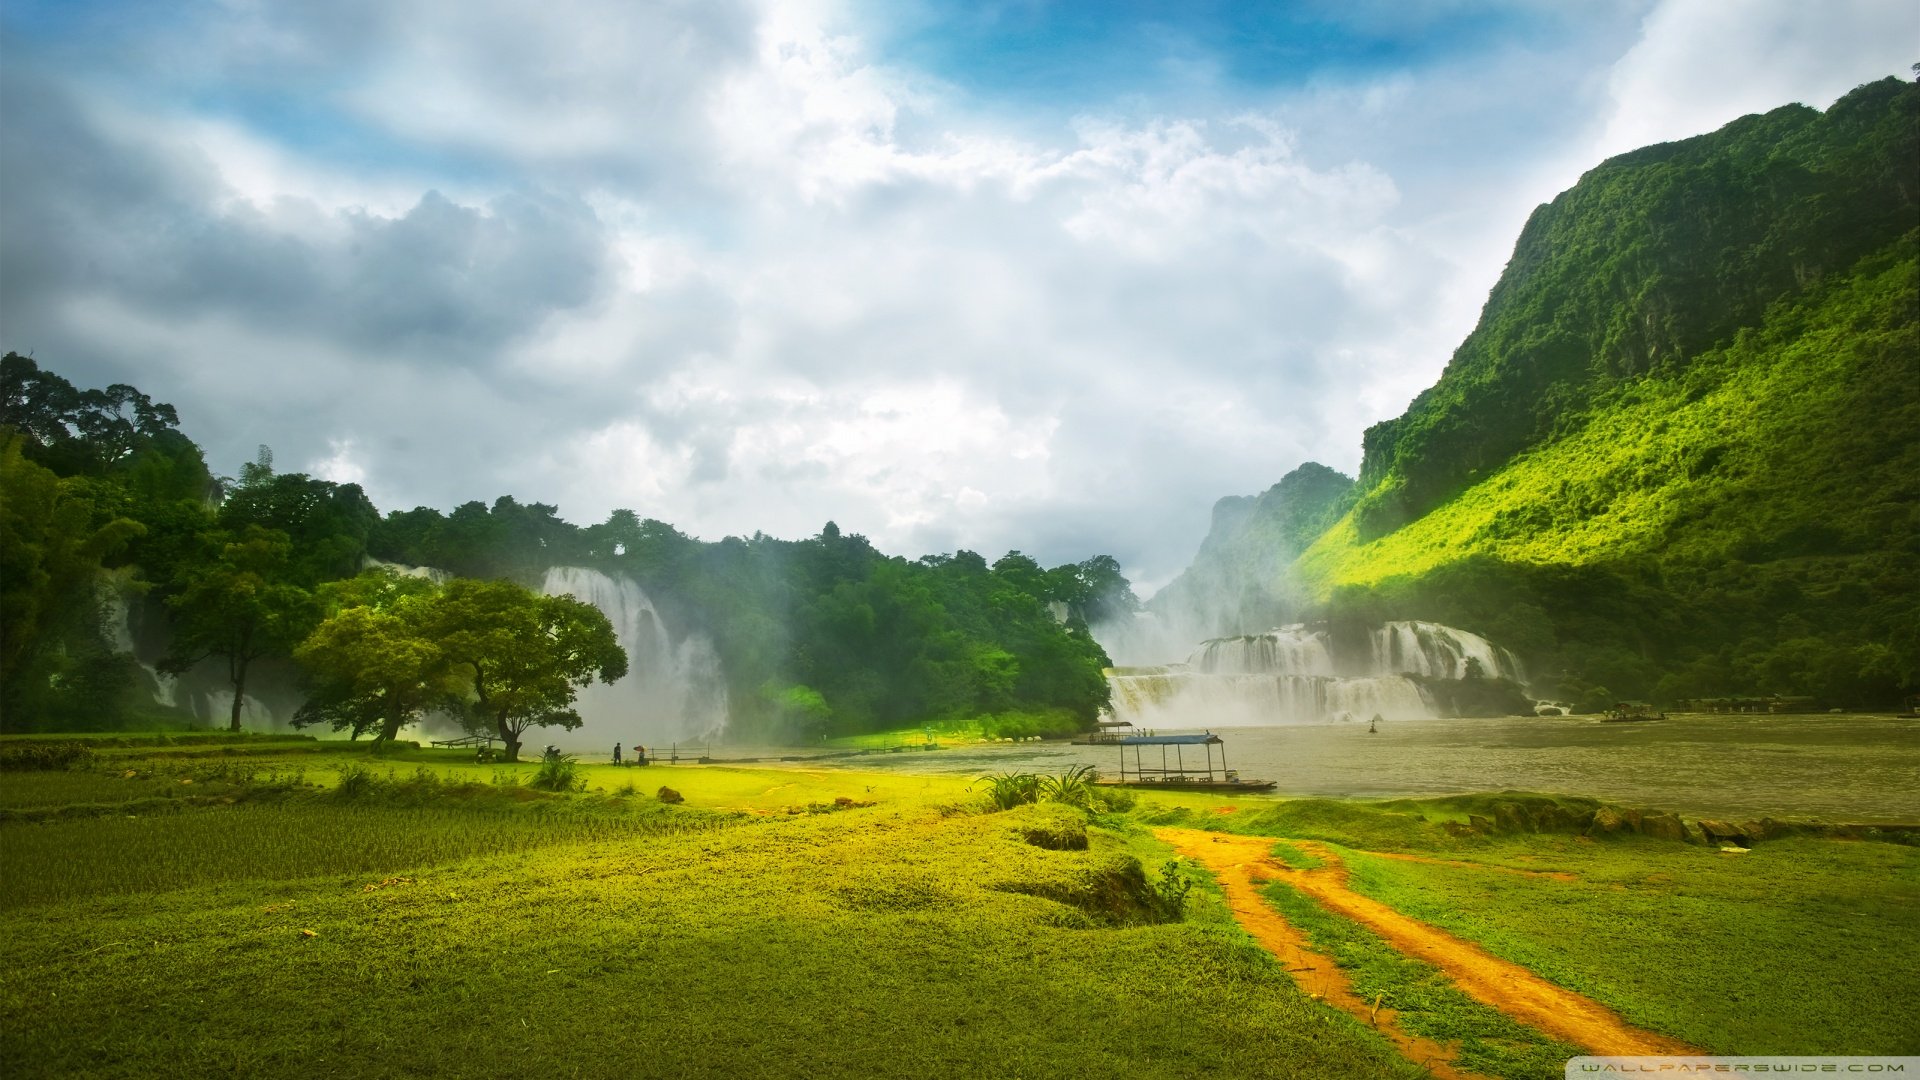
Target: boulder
1607, 821
1663, 827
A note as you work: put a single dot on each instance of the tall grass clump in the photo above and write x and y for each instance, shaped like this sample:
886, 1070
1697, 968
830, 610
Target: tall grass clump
559, 772
1008, 790
1073, 787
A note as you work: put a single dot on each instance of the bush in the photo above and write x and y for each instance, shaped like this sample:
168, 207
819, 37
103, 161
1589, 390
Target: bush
1008, 790
1170, 892
44, 756
355, 781
1073, 787
559, 772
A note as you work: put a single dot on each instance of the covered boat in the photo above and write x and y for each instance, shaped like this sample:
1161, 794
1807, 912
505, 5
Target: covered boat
1172, 773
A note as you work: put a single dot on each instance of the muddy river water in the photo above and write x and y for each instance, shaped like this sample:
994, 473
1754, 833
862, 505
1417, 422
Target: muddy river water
1861, 768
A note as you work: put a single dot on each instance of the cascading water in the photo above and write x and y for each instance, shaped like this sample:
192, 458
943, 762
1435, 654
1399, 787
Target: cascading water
672, 692
1292, 675
1425, 648
1288, 650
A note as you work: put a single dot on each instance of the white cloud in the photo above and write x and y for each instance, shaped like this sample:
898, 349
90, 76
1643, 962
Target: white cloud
719, 264
1702, 63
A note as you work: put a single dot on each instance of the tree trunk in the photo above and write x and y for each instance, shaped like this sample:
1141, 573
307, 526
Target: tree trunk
508, 736
239, 673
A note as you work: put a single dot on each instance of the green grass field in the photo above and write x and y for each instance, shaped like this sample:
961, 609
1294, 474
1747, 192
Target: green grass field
327, 912
758, 929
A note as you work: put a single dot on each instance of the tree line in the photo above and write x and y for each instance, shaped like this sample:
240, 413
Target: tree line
817, 637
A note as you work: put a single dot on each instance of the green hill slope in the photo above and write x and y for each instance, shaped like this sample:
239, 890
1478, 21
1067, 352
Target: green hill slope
1651, 259
1678, 457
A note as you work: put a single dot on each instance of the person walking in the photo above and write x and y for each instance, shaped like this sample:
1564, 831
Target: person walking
616, 753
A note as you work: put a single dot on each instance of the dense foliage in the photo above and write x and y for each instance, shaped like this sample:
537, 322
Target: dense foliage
1676, 460
817, 637
1653, 258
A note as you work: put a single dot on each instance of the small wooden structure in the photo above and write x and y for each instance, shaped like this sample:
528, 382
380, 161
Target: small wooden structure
1173, 773
1110, 732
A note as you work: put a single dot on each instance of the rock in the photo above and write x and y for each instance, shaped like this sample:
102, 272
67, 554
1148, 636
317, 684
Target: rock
1725, 833
1663, 827
1479, 824
1607, 821
670, 796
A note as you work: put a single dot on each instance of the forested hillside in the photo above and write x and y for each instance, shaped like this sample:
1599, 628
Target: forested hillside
101, 494
1677, 457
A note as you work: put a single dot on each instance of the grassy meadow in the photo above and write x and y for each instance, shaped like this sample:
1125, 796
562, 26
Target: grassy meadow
280, 908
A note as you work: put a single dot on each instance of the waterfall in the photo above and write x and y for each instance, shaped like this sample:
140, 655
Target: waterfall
1424, 648
112, 588
1173, 698
430, 573
1292, 675
1287, 650
672, 692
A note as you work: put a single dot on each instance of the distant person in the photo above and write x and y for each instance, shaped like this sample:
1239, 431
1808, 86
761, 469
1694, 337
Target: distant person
1373, 726
616, 753
639, 754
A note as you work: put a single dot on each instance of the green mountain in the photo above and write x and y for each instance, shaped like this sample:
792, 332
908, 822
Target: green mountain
1677, 456
1239, 578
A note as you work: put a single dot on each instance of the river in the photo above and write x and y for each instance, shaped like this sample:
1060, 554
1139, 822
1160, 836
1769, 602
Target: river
1858, 768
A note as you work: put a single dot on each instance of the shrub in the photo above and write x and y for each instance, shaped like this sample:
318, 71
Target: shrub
1073, 787
1008, 790
560, 772
355, 781
1170, 892
44, 756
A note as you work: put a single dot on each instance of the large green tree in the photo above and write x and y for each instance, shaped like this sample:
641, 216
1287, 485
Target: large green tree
524, 656
238, 604
54, 532
372, 663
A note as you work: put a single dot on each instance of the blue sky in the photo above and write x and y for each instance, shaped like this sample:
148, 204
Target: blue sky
1046, 276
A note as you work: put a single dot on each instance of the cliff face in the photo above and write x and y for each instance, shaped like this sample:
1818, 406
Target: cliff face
1677, 456
1652, 258
1238, 581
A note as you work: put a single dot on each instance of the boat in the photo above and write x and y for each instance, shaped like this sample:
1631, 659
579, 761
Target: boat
1173, 773
1109, 733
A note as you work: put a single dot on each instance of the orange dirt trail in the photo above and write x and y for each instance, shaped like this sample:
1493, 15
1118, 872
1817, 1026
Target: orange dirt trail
1554, 1010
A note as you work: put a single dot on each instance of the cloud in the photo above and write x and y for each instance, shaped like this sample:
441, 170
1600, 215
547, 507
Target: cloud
1702, 63
722, 264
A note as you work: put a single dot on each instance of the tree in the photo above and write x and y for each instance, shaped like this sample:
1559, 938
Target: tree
524, 656
54, 532
238, 606
371, 661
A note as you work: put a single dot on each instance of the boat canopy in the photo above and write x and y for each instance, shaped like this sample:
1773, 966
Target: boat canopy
1169, 740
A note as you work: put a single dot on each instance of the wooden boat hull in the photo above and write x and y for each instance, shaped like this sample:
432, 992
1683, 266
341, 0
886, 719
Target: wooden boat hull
1243, 786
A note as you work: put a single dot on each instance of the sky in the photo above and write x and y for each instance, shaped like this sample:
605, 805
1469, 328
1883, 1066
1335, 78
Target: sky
1013, 274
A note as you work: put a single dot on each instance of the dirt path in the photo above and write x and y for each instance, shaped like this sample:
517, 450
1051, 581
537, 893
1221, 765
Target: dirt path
1316, 974
1552, 1009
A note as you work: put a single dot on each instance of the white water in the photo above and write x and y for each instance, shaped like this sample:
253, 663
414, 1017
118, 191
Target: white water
674, 691
1288, 650
1176, 699
430, 573
1425, 648
1291, 675
116, 618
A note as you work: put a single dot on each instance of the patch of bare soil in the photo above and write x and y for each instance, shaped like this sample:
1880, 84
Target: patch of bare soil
1514, 990
1318, 975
